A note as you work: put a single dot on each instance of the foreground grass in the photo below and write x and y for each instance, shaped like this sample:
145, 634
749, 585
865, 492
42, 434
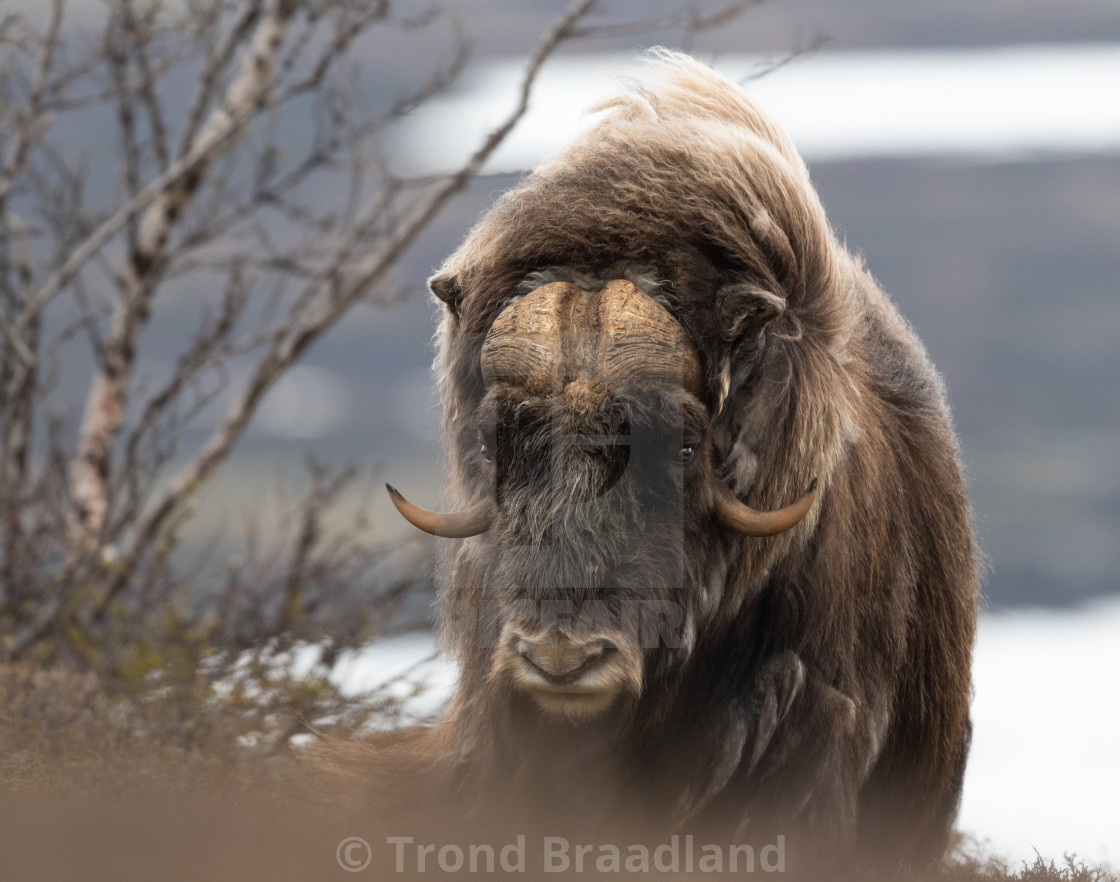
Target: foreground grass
185, 781
964, 868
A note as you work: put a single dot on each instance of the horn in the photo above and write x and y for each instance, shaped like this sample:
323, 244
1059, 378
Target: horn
746, 520
459, 525
623, 330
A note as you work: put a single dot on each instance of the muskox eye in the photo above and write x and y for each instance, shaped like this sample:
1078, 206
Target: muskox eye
484, 452
684, 455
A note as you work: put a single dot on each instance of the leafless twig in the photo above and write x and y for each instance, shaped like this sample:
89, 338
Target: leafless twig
203, 197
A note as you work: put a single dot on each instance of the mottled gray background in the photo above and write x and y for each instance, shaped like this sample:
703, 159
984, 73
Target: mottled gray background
1009, 271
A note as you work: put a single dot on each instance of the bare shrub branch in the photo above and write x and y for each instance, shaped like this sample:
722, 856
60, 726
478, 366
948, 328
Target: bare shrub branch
200, 194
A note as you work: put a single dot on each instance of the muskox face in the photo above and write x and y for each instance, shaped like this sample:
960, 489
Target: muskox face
591, 430
598, 495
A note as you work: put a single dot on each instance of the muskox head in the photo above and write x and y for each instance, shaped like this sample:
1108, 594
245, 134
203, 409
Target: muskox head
598, 489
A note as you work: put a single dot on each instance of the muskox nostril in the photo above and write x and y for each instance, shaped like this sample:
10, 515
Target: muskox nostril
567, 677
560, 660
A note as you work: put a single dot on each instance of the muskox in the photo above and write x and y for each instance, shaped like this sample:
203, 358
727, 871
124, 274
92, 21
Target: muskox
709, 561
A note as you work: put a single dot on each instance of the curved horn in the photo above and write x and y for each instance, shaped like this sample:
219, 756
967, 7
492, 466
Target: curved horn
459, 525
746, 520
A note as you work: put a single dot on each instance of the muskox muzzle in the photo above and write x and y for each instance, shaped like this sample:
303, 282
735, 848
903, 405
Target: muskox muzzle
561, 331
565, 672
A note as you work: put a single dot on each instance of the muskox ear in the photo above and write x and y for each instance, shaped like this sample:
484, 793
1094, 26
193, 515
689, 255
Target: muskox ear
446, 287
745, 309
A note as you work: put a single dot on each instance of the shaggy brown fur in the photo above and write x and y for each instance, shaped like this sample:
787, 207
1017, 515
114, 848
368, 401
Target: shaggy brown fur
820, 682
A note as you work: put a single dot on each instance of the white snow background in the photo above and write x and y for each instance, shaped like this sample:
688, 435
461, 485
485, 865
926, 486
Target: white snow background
979, 104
